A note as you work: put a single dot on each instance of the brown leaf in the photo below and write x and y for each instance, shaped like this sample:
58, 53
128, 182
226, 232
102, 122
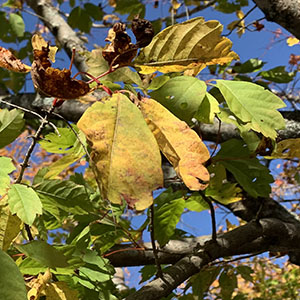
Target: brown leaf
120, 51
10, 62
54, 82
143, 31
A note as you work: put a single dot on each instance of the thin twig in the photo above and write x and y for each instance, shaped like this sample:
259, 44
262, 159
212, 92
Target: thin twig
213, 217
223, 262
218, 137
159, 270
242, 19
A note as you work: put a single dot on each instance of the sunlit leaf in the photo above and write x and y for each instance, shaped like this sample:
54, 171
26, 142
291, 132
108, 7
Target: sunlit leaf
193, 44
251, 65
207, 109
17, 24
253, 104
292, 41
12, 285
196, 203
10, 62
239, 24
24, 202
182, 95
124, 150
44, 254
11, 125
60, 291
98, 65
9, 227
38, 42
180, 144
167, 215
6, 168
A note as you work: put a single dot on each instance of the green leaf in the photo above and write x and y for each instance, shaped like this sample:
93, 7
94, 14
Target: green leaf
191, 45
44, 254
30, 266
11, 125
17, 24
131, 7
207, 109
65, 143
196, 203
15, 82
9, 227
12, 285
227, 193
24, 202
158, 82
6, 168
167, 215
228, 7
65, 195
251, 65
80, 19
228, 282
182, 95
253, 104
203, 280
98, 65
147, 272
94, 11
278, 75
245, 272
248, 172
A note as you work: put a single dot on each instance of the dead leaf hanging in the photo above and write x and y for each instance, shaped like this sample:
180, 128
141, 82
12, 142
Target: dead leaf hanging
120, 51
54, 82
143, 31
10, 62
179, 143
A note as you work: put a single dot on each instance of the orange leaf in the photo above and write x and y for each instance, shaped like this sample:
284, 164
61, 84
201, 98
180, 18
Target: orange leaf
180, 144
10, 62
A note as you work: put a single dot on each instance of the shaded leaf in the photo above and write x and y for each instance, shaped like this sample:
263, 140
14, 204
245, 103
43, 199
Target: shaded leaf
94, 11
38, 43
180, 144
6, 168
65, 195
12, 285
79, 18
251, 65
181, 95
10, 227
98, 65
254, 177
11, 125
228, 282
131, 7
60, 291
24, 202
124, 150
193, 44
207, 109
147, 272
278, 75
10, 62
285, 149
44, 254
253, 104
17, 24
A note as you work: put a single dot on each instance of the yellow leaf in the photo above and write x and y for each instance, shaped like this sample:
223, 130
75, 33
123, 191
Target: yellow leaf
193, 44
38, 43
291, 41
60, 291
238, 24
9, 227
289, 148
124, 150
180, 144
37, 285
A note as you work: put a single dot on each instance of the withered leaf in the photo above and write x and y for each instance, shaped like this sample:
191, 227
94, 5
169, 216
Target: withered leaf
124, 151
143, 31
120, 51
179, 143
10, 62
54, 82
